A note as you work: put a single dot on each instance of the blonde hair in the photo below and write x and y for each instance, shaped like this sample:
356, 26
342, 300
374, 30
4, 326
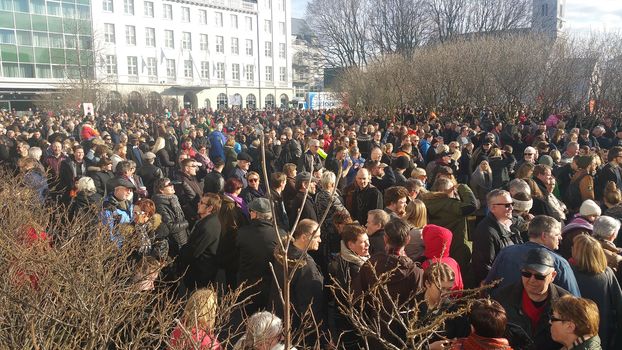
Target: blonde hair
582, 312
588, 254
612, 195
201, 309
495, 152
416, 214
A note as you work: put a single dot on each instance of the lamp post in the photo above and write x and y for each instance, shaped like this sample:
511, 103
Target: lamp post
227, 94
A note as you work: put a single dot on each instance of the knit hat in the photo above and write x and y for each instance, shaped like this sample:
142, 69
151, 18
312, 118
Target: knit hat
589, 207
584, 161
522, 206
546, 160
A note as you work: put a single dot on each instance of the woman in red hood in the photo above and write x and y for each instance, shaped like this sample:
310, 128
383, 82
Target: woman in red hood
437, 240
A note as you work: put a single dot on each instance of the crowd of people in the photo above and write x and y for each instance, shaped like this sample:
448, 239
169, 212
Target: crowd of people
441, 204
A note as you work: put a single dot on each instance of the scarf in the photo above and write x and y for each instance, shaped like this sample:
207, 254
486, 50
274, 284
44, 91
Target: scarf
348, 255
239, 201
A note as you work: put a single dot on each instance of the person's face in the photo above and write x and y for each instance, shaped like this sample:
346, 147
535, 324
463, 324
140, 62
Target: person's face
433, 292
191, 169
315, 241
361, 246
253, 182
377, 136
371, 226
168, 189
78, 154
552, 239
122, 193
400, 206
139, 215
501, 207
537, 285
529, 156
57, 148
148, 283
314, 148
312, 187
378, 171
546, 177
36, 135
244, 164
362, 179
376, 154
202, 208
560, 328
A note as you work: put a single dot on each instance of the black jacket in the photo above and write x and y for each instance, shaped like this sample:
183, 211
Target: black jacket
213, 182
200, 252
360, 201
296, 204
607, 173
256, 243
510, 297
149, 173
489, 238
100, 179
175, 224
189, 193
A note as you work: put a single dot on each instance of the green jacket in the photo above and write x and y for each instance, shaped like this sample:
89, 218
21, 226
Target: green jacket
592, 343
452, 213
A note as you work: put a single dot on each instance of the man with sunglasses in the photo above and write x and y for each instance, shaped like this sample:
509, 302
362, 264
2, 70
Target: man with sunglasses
493, 233
544, 233
528, 303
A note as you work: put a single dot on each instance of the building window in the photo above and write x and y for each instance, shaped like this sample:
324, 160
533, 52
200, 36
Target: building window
111, 64
132, 65
249, 23
218, 19
130, 35
235, 71
150, 37
152, 67
220, 70
267, 26
249, 70
268, 48
204, 43
251, 101
148, 6
234, 21
249, 47
169, 39
186, 41
283, 74
108, 6
282, 28
170, 69
282, 50
109, 33
202, 16
187, 68
221, 101
128, 7
205, 70
220, 44
185, 14
268, 73
235, 46
167, 11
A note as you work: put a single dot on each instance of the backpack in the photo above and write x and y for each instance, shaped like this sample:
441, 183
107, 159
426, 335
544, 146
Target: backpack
573, 194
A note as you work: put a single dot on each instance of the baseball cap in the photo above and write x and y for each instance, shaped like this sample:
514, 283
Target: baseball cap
539, 260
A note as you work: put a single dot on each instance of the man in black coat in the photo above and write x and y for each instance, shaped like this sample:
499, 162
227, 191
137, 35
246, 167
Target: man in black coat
200, 252
214, 181
304, 180
175, 224
149, 172
256, 243
610, 172
361, 197
190, 190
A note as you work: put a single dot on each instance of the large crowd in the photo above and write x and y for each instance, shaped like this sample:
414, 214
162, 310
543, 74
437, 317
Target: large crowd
441, 204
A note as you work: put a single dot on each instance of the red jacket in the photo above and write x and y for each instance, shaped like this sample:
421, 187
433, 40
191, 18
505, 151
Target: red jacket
437, 240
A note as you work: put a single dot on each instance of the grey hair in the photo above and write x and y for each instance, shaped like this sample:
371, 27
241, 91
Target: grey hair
263, 216
543, 224
519, 185
262, 328
605, 226
379, 217
35, 152
86, 184
327, 179
495, 193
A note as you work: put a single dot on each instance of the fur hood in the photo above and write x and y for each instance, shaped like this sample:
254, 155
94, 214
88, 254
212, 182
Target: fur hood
433, 196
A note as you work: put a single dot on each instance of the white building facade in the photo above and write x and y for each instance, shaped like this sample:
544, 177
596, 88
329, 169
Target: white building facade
197, 54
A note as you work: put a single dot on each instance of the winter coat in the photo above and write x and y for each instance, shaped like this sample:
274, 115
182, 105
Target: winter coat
304, 163
593, 343
85, 203
248, 194
217, 142
296, 205
116, 212
231, 219
360, 201
323, 201
200, 252
604, 290
437, 241
214, 182
481, 184
175, 224
476, 342
100, 179
489, 238
164, 162
452, 213
510, 297
501, 169
576, 227
607, 173
189, 193
149, 173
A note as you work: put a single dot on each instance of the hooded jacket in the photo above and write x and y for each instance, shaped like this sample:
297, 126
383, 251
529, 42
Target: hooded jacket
437, 241
175, 224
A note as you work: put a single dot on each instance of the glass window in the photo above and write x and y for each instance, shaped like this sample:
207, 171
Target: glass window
40, 39
37, 7
150, 40
268, 73
220, 70
282, 28
58, 72
23, 38
234, 21
235, 46
169, 39
54, 9
283, 74
148, 6
282, 50
56, 41
235, 71
267, 26
250, 72
21, 6
170, 69
132, 65
86, 42
10, 70
251, 101
270, 100
7, 36
44, 71
109, 36
202, 16
84, 12
186, 40
205, 70
185, 14
26, 70
218, 19
220, 44
167, 11
187, 68
268, 49
70, 41
107, 5
130, 35
221, 100
249, 47
204, 44
6, 5
111, 64
152, 66
69, 10
249, 23
128, 7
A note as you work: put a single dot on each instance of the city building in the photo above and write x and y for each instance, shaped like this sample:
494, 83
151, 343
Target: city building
548, 16
307, 60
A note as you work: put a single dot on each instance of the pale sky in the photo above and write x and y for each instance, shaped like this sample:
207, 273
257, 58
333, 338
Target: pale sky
581, 15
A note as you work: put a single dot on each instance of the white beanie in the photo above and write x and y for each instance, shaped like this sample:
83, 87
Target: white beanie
522, 206
589, 207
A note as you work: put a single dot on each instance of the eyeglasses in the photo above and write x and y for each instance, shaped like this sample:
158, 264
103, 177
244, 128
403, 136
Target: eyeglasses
529, 154
555, 319
507, 205
137, 213
253, 180
528, 274
168, 184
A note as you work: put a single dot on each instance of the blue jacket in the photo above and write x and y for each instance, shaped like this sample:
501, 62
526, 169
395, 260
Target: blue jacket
507, 266
112, 215
217, 145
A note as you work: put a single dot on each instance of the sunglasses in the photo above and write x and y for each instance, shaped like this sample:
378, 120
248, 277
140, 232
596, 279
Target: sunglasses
169, 184
507, 205
529, 154
253, 180
528, 274
555, 319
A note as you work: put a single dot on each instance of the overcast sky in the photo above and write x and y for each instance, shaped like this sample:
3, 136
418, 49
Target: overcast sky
581, 15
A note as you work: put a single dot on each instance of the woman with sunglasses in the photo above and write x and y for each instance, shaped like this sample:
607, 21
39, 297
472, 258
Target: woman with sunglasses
574, 323
597, 282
